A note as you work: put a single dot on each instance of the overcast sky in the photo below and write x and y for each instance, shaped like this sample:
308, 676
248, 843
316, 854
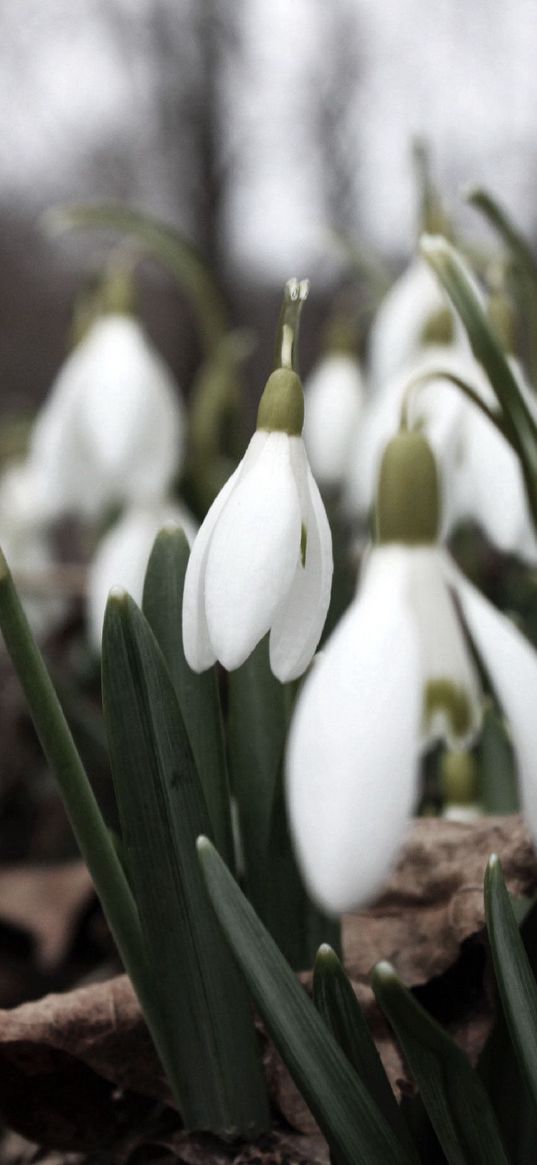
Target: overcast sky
316, 102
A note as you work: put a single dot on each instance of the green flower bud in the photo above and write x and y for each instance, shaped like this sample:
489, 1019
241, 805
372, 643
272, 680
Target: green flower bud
408, 501
281, 408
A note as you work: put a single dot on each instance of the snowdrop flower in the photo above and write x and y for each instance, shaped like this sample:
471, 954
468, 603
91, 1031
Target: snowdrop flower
24, 541
480, 472
122, 555
334, 395
263, 557
112, 429
414, 313
397, 674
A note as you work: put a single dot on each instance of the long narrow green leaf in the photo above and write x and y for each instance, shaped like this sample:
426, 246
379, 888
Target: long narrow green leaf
501, 221
499, 1069
525, 266
336, 1002
90, 830
204, 1005
258, 713
197, 694
452, 1092
516, 983
522, 429
346, 1113
497, 770
168, 246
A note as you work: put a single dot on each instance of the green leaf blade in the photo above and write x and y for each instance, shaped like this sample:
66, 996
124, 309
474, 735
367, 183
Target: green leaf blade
346, 1113
514, 976
337, 1004
206, 1020
197, 694
452, 1093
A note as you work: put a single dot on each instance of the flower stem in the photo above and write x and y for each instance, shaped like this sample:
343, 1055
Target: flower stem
294, 296
497, 419
165, 244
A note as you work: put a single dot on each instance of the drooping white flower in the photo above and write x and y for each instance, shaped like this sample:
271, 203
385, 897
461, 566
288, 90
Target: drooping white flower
112, 430
122, 555
481, 474
263, 557
334, 395
414, 312
396, 674
24, 541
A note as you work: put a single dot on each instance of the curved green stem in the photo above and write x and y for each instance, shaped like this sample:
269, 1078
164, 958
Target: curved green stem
165, 244
454, 277
424, 378
294, 296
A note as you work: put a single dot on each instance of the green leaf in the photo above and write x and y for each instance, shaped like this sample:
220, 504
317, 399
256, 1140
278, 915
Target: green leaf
498, 789
206, 1018
91, 832
521, 429
506, 228
336, 1002
499, 1069
514, 976
258, 714
163, 242
452, 1092
197, 695
349, 1118
525, 267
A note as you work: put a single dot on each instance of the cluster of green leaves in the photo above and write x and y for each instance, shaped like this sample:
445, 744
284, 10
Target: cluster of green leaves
460, 1115
169, 759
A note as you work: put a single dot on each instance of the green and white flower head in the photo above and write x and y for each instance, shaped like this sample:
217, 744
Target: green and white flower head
480, 472
112, 429
334, 394
122, 555
262, 560
397, 674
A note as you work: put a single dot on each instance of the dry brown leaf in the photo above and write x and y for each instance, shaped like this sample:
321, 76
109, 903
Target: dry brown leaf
434, 899
76, 1052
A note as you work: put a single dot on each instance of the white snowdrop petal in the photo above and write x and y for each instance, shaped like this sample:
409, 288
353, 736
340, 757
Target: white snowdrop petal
199, 651
333, 405
298, 623
397, 332
490, 487
445, 654
352, 760
253, 551
511, 662
112, 428
130, 415
122, 556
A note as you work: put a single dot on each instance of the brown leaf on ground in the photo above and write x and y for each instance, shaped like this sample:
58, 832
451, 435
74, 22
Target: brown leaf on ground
47, 902
85, 1058
434, 898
